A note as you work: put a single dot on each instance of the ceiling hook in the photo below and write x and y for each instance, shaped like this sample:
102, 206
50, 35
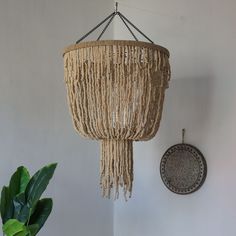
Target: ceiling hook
116, 7
183, 135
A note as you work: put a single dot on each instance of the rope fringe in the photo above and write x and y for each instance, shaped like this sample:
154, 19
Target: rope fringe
116, 93
116, 167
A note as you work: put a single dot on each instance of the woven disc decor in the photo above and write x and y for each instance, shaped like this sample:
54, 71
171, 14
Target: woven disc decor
115, 92
183, 168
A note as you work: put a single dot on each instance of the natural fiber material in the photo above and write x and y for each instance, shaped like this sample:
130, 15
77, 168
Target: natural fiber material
116, 92
116, 166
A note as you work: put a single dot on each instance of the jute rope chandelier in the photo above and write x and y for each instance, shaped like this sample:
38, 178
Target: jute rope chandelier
115, 93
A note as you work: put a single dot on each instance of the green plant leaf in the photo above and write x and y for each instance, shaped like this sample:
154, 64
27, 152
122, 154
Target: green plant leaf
33, 229
6, 205
38, 184
42, 212
21, 209
19, 181
4, 200
14, 227
23, 214
19, 202
4, 197
23, 233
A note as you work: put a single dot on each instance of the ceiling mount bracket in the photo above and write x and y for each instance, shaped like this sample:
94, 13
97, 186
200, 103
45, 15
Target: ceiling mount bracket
109, 19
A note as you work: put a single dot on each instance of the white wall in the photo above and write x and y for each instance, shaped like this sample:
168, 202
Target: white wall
201, 37
35, 125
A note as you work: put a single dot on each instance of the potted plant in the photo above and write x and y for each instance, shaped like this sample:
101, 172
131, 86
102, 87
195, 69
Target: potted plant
23, 213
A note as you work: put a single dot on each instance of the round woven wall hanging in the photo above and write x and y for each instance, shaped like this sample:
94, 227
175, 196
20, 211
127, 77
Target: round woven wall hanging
183, 168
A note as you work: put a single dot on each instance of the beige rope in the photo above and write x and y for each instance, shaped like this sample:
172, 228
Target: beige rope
115, 92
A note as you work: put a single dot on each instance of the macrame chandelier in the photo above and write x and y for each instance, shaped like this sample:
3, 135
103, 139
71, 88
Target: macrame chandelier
115, 92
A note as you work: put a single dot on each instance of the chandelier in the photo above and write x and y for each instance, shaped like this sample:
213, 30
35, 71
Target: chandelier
115, 92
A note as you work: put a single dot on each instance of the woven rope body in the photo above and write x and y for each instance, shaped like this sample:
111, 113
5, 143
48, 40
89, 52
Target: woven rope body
115, 92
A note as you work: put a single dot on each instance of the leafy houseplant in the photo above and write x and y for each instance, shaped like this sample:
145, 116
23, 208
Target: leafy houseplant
22, 211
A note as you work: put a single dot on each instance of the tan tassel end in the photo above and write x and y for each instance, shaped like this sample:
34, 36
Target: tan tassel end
116, 167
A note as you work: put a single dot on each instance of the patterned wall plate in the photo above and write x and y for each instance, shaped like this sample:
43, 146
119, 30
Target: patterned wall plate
183, 168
